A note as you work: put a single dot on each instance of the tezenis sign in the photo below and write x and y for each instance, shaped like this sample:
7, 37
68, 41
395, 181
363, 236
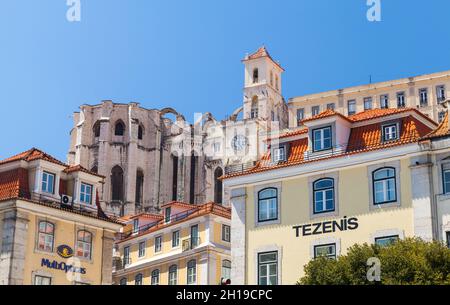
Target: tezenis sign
324, 227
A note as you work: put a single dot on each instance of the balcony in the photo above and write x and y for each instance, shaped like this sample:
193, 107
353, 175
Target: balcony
190, 243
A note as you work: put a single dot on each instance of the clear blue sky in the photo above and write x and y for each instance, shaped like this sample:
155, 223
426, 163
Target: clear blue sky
186, 54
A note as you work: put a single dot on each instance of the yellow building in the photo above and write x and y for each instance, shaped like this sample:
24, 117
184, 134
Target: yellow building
186, 245
52, 231
372, 177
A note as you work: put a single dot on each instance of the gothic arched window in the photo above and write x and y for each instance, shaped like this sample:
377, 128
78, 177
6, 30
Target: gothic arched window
255, 75
139, 187
119, 129
117, 183
218, 185
140, 132
96, 129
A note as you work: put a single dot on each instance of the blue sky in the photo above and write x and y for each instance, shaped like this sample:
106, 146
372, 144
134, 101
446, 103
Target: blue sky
186, 55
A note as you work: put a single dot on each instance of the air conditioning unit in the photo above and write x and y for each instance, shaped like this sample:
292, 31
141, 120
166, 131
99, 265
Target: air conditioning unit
66, 200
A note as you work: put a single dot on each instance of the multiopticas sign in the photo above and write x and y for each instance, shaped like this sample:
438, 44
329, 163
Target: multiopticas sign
62, 266
324, 227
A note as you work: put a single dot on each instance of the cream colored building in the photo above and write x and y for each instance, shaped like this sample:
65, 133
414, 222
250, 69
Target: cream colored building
372, 177
185, 245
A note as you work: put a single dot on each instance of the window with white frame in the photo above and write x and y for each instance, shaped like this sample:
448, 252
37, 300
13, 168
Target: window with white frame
226, 269
279, 154
322, 139
401, 101
158, 243
423, 97
136, 225
384, 185
384, 101
323, 196
267, 204
367, 103
84, 244
46, 236
42, 280
167, 213
268, 268
226, 233
175, 239
141, 252
126, 256
86, 193
386, 240
440, 92
390, 132
328, 251
173, 275
138, 279
351, 107
48, 182
191, 272
315, 110
446, 177
155, 277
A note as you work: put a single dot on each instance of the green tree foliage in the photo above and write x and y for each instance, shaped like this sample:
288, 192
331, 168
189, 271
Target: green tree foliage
411, 261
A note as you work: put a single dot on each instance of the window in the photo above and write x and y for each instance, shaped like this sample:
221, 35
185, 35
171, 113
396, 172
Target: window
331, 106
255, 75
367, 103
123, 281
254, 108
175, 239
323, 195
440, 92
173, 274
126, 256
279, 154
446, 177
328, 251
140, 132
84, 244
226, 269
401, 103
86, 193
191, 272
315, 110
384, 189
322, 139
141, 252
226, 233
386, 240
117, 183
267, 204
194, 236
119, 129
96, 129
384, 101
158, 245
218, 185
268, 268
138, 198
441, 116
351, 105
300, 115
216, 147
155, 277
423, 97
46, 236
138, 279
390, 132
42, 280
272, 115
136, 225
167, 213
48, 183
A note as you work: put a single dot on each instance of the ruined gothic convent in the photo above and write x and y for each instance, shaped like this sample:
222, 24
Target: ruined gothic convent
150, 157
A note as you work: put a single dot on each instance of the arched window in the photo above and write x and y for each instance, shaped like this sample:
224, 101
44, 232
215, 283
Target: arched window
255, 75
254, 108
173, 274
123, 281
139, 187
193, 173
117, 183
96, 129
267, 204
174, 177
119, 129
155, 277
218, 188
226, 269
84, 244
323, 195
191, 272
46, 236
138, 279
140, 132
384, 188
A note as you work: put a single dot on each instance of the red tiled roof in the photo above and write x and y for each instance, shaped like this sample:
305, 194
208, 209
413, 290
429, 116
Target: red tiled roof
261, 52
79, 168
441, 131
290, 133
13, 183
180, 204
325, 114
31, 155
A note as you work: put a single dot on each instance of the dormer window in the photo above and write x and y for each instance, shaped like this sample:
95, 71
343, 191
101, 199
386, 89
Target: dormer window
255, 75
86, 193
167, 213
390, 132
48, 183
279, 154
322, 139
136, 225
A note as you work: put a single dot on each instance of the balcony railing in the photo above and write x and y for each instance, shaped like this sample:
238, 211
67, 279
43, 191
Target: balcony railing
190, 243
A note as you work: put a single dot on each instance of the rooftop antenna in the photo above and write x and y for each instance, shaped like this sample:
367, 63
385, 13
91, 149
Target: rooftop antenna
370, 79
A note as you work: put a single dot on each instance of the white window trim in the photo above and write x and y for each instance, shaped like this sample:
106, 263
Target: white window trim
325, 241
256, 205
370, 170
268, 248
311, 180
386, 233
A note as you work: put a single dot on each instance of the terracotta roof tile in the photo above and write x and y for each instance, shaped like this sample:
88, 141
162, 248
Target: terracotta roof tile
79, 168
325, 114
441, 131
261, 52
31, 155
